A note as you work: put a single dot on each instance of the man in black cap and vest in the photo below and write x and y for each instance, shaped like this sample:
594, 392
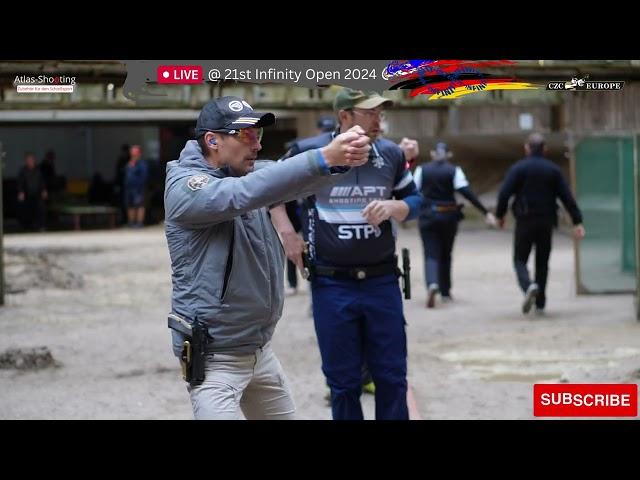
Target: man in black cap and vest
438, 180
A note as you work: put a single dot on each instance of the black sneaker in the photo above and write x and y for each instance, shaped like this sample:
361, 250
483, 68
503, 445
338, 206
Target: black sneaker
530, 298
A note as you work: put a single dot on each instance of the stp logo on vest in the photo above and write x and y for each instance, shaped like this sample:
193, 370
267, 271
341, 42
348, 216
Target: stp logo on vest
182, 74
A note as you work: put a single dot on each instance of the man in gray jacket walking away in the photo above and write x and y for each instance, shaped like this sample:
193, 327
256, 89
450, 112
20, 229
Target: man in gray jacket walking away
227, 261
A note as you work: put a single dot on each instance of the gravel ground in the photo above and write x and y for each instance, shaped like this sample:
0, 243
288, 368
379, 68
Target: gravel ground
83, 333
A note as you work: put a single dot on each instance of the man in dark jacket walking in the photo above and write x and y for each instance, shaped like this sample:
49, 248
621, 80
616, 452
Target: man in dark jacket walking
536, 183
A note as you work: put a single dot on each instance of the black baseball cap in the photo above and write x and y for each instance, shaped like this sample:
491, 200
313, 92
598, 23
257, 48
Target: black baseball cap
228, 114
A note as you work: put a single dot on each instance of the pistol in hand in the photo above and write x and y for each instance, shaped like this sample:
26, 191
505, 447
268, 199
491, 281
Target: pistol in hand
306, 262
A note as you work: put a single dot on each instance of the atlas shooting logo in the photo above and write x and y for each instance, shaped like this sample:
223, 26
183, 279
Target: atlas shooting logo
581, 84
449, 79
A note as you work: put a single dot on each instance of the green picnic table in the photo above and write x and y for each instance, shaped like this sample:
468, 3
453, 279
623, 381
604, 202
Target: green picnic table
78, 211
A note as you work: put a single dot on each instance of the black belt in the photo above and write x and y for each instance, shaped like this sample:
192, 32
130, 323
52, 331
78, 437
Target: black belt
441, 205
357, 273
444, 208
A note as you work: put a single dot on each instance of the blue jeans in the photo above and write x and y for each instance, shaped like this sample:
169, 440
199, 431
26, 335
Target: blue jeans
357, 321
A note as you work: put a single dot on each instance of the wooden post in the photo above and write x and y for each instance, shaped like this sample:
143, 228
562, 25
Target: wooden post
573, 140
1, 231
636, 206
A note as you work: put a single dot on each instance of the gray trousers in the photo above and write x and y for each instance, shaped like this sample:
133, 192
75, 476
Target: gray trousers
254, 384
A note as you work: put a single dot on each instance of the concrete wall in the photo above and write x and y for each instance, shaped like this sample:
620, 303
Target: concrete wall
604, 111
483, 134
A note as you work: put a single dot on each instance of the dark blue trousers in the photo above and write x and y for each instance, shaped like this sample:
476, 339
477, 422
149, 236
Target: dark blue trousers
438, 234
356, 321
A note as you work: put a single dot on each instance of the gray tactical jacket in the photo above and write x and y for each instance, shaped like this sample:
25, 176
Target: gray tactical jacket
227, 260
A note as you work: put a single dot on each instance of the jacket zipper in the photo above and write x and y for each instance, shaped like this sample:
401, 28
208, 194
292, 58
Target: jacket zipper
266, 254
264, 235
229, 265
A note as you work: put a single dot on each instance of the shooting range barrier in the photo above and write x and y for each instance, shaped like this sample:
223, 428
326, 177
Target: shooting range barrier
605, 178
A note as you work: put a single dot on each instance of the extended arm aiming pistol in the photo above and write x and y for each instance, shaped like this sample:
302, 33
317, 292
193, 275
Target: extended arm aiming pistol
306, 262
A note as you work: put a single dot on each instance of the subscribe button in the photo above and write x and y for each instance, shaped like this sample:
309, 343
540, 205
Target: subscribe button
180, 74
585, 400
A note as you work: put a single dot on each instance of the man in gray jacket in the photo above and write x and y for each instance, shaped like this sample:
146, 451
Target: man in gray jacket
227, 261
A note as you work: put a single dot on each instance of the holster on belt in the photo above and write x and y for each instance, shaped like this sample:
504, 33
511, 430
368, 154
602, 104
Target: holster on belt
193, 352
405, 274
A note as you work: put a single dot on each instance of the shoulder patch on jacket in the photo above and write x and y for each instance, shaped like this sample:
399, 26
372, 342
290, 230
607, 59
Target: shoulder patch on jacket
196, 182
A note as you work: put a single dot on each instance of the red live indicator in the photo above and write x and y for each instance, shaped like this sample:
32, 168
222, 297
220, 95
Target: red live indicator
585, 400
180, 74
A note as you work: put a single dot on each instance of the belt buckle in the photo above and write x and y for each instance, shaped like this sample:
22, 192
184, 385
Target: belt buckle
361, 274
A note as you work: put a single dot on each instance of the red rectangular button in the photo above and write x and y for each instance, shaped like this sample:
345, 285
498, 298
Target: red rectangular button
180, 74
585, 400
